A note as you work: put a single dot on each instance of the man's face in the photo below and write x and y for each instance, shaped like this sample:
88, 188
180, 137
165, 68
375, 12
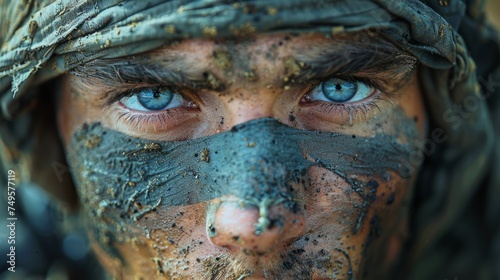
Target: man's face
343, 216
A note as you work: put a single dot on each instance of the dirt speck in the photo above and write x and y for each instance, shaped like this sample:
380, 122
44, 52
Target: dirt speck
214, 82
243, 30
205, 155
32, 28
169, 29
222, 59
391, 199
92, 141
272, 11
159, 266
292, 68
251, 76
210, 31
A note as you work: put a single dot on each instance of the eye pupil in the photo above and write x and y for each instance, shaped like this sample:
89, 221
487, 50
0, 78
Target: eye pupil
156, 99
338, 90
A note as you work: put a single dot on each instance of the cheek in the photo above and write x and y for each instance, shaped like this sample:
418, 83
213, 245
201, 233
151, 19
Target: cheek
330, 201
413, 105
165, 242
354, 222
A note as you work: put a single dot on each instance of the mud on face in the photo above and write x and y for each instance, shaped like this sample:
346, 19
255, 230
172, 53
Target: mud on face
132, 189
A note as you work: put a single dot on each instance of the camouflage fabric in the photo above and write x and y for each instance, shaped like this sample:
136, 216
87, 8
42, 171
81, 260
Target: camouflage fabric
455, 232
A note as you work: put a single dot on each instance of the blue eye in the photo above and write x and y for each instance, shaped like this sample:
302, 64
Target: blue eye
153, 99
338, 90
341, 91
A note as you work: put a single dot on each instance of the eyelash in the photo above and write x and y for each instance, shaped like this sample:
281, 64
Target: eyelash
136, 120
139, 120
353, 110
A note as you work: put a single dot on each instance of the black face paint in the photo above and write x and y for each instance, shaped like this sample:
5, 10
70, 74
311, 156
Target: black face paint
261, 162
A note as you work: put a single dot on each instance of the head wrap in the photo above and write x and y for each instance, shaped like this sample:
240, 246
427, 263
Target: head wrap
41, 40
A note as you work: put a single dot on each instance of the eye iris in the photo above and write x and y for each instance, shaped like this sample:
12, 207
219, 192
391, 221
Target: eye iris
339, 90
154, 99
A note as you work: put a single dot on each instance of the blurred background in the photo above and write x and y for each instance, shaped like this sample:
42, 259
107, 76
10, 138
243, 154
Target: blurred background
494, 12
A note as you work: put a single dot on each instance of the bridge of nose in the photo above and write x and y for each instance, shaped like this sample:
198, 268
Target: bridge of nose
258, 164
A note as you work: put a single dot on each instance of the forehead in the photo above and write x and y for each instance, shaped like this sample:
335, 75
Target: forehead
271, 59
271, 46
242, 57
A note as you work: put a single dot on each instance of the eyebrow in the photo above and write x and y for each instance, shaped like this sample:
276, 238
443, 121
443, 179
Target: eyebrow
171, 68
366, 55
363, 54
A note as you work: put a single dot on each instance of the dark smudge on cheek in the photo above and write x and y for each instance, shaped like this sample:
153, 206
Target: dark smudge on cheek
122, 178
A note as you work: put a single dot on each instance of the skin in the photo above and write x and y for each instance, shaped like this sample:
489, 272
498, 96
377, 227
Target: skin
258, 79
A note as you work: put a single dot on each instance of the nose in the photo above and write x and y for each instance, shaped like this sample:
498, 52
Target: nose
254, 229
